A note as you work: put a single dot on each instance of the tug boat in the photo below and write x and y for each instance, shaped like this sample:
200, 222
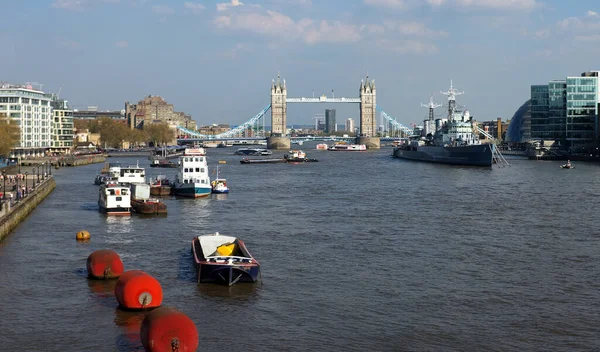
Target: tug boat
192, 179
114, 199
297, 156
223, 259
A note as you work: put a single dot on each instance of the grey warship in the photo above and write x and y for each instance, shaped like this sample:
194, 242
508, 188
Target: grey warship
449, 140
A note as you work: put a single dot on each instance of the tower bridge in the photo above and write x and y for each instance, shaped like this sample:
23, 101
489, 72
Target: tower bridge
368, 108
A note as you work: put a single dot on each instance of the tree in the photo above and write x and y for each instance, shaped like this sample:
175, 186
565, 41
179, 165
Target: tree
10, 134
159, 133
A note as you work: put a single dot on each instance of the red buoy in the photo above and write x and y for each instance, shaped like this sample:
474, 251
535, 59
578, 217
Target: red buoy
104, 264
167, 329
136, 289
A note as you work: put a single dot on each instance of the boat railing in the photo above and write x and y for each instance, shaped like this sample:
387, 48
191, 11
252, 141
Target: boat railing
226, 258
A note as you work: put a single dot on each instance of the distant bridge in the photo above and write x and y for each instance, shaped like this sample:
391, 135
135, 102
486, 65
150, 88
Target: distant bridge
257, 120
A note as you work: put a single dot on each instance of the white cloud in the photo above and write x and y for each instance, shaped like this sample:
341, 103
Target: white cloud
162, 10
193, 7
489, 4
588, 38
589, 22
121, 44
275, 24
224, 6
283, 28
390, 4
436, 2
408, 46
78, 5
500, 4
412, 28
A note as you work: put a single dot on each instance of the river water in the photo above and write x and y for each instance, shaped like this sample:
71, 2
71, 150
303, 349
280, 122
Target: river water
358, 252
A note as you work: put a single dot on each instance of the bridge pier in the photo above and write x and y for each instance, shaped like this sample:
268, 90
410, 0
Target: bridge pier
370, 142
278, 143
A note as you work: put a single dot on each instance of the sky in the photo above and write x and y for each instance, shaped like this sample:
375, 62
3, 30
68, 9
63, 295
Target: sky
216, 60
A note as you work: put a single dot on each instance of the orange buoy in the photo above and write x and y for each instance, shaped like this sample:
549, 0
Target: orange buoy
82, 235
104, 264
167, 329
136, 289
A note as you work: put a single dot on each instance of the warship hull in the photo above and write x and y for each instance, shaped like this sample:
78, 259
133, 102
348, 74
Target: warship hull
473, 155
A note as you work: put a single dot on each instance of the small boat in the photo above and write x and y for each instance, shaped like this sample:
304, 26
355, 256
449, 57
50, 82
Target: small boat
567, 166
223, 259
253, 151
297, 156
114, 199
219, 185
142, 203
262, 161
163, 163
160, 186
100, 179
210, 145
192, 179
322, 146
348, 147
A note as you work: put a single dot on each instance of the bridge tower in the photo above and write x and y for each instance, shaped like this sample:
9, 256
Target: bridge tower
368, 115
278, 139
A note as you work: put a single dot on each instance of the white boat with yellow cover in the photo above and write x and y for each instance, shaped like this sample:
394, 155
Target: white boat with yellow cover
223, 259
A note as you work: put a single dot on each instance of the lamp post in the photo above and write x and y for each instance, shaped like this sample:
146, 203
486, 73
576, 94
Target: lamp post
33, 174
26, 189
4, 187
18, 190
38, 174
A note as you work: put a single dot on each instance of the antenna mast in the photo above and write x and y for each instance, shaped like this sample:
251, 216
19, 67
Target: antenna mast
431, 105
452, 93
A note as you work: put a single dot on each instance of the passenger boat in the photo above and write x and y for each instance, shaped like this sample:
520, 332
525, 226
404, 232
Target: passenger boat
114, 199
262, 161
192, 178
348, 147
210, 144
160, 186
450, 140
142, 203
297, 156
322, 146
131, 174
223, 259
219, 185
253, 151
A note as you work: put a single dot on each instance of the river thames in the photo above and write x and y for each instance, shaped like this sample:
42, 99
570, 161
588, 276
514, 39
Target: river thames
358, 252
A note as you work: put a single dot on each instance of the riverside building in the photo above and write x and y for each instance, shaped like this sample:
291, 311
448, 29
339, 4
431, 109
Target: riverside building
30, 108
62, 127
567, 111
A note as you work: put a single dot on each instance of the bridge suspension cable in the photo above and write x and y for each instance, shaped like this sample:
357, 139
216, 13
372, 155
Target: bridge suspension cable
394, 122
232, 132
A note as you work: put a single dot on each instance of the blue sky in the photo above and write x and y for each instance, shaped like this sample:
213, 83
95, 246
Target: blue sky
216, 59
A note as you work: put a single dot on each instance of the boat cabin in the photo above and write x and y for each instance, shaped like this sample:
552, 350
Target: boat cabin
132, 174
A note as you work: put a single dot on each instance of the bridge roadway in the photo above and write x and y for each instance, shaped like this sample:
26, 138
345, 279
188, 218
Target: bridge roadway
304, 139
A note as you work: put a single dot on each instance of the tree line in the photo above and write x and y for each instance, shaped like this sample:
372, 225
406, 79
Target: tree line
114, 133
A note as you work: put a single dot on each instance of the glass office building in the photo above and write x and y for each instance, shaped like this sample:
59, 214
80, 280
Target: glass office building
566, 110
582, 109
557, 113
539, 112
